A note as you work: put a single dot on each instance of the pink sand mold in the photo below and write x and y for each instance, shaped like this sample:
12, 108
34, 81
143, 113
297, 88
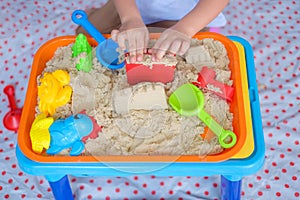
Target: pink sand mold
157, 72
206, 77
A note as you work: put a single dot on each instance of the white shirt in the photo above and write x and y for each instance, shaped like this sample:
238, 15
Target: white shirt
158, 10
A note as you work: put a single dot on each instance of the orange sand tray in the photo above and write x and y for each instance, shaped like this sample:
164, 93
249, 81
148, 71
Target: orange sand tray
46, 52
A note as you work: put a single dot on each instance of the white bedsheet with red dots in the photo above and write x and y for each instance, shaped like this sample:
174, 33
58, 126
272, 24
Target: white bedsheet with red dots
272, 28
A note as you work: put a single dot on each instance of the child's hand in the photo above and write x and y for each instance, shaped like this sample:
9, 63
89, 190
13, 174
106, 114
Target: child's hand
172, 41
134, 36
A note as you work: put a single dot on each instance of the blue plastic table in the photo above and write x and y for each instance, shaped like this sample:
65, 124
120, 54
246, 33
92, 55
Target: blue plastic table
232, 170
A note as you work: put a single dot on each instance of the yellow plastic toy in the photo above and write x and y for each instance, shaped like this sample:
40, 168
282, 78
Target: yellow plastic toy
54, 91
39, 133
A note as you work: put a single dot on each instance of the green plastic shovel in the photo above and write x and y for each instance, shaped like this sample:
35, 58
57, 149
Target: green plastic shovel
188, 100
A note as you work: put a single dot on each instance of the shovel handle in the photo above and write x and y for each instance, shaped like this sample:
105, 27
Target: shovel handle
223, 139
9, 90
227, 138
80, 17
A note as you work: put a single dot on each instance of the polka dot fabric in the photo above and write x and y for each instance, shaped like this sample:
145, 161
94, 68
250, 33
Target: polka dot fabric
272, 28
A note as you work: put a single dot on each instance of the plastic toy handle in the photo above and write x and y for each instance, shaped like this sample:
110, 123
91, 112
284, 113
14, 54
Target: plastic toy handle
80, 17
9, 90
218, 130
224, 136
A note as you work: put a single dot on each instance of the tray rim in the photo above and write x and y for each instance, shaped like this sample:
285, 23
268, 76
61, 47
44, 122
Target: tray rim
177, 158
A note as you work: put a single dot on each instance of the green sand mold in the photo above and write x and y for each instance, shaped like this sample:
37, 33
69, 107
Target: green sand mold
83, 49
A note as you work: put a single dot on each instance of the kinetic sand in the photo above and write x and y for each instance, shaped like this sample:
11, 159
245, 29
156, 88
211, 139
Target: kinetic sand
136, 120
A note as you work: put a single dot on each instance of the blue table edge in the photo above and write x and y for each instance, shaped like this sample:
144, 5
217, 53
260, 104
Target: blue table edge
232, 169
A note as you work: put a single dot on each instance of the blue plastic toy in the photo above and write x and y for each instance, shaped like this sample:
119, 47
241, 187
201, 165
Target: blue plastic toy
106, 51
67, 133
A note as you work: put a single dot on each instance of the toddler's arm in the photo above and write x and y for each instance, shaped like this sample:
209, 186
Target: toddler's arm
203, 13
176, 38
132, 29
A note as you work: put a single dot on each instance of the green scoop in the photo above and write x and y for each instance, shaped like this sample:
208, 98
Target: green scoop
188, 100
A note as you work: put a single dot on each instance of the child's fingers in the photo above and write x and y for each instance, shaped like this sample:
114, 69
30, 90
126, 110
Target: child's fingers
132, 48
160, 48
121, 40
114, 34
175, 46
140, 46
154, 50
146, 40
136, 43
119, 37
183, 48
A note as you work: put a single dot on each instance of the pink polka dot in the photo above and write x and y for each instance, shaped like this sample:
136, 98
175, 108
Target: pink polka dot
284, 171
135, 192
278, 194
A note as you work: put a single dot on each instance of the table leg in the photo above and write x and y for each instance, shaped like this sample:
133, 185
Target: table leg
61, 189
230, 189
